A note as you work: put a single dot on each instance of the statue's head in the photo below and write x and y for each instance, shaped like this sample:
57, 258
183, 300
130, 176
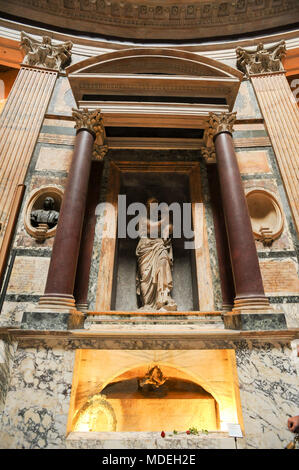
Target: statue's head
48, 203
151, 200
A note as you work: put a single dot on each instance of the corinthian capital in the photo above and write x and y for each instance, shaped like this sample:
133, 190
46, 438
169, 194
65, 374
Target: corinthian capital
45, 54
222, 122
262, 59
93, 122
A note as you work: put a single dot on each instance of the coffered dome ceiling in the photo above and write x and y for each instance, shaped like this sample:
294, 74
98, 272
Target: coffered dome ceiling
158, 19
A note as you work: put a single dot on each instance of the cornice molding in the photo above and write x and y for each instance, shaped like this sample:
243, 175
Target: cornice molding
10, 34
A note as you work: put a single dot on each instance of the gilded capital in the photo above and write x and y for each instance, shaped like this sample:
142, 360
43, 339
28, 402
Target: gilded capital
222, 122
44, 54
93, 122
262, 59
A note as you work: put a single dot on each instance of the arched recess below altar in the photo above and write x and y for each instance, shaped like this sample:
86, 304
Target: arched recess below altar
150, 391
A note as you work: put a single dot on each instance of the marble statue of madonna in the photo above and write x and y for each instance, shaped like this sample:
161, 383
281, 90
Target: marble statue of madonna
154, 264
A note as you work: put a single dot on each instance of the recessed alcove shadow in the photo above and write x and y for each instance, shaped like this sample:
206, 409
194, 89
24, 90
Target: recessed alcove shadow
169, 188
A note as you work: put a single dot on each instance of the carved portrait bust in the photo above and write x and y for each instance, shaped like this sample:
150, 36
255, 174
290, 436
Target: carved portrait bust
42, 212
47, 215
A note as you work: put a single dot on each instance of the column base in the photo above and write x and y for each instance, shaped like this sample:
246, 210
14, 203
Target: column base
54, 312
82, 307
226, 307
57, 303
252, 305
257, 321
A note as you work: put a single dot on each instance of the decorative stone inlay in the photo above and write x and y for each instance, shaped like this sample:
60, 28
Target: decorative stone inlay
93, 122
45, 54
265, 214
262, 60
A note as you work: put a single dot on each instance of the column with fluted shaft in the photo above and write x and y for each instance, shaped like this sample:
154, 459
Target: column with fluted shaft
250, 297
264, 68
58, 296
24, 112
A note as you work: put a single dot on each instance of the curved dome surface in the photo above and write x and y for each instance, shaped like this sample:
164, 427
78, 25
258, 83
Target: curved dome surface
158, 20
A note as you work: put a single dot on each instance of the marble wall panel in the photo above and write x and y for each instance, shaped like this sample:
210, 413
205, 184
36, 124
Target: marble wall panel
7, 349
280, 276
62, 100
253, 161
29, 275
291, 311
246, 104
53, 158
35, 414
269, 394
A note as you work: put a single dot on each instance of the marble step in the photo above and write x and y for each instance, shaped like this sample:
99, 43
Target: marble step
203, 321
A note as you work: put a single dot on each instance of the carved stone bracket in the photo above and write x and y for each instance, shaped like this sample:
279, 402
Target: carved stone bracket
45, 54
99, 152
209, 154
261, 60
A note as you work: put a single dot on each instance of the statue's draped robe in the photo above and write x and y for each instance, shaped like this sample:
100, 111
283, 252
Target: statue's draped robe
154, 277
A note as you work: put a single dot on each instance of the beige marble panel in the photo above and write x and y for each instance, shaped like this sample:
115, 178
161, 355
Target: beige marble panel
52, 158
280, 276
29, 275
254, 161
